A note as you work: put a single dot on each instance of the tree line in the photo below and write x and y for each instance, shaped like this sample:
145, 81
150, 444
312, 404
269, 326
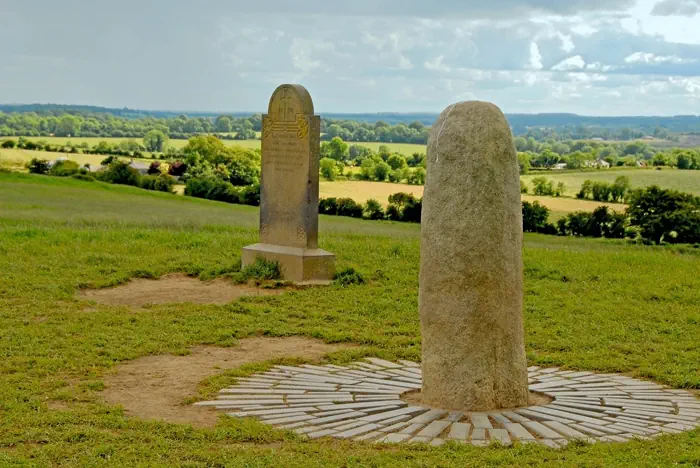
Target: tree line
569, 154
64, 123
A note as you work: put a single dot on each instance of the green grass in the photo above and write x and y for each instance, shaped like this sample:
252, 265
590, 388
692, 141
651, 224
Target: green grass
589, 304
20, 157
685, 181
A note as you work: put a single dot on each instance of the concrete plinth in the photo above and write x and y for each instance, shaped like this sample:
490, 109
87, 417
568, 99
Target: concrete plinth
303, 266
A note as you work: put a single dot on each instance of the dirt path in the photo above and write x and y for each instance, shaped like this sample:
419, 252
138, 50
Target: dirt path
154, 387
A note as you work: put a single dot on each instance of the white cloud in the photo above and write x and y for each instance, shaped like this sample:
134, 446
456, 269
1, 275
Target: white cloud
587, 77
572, 63
676, 8
530, 79
690, 85
535, 57
597, 66
300, 52
437, 64
404, 63
567, 44
649, 58
520, 54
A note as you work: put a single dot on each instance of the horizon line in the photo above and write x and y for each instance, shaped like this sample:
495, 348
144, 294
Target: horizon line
218, 112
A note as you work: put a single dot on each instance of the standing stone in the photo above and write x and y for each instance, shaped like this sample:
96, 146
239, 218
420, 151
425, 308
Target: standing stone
471, 272
289, 189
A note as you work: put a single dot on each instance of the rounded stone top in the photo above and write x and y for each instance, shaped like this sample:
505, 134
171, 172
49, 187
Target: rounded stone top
288, 100
470, 126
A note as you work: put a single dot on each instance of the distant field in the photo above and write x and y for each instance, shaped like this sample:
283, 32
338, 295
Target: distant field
403, 148
23, 156
361, 191
93, 141
686, 181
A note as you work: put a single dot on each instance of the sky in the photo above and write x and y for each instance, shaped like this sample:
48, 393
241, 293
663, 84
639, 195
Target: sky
591, 57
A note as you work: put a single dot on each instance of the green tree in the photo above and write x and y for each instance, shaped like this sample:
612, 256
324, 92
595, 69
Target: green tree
543, 186
620, 188
417, 176
381, 171
328, 168
416, 125
397, 161
367, 169
373, 210
337, 149
68, 125
663, 215
684, 160
223, 124
155, 141
524, 162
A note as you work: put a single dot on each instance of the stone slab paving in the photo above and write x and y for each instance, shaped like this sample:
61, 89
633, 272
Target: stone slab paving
362, 401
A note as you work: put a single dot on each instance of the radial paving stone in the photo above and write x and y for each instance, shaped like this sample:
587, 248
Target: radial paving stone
362, 401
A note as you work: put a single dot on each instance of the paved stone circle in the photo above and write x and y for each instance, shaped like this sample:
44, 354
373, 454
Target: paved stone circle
361, 401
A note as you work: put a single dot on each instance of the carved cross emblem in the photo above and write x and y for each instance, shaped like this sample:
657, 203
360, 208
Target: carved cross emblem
285, 109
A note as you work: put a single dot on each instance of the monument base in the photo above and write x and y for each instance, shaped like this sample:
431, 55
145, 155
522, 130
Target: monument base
304, 266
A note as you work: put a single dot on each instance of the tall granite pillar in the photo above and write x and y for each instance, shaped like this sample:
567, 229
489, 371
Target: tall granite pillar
471, 271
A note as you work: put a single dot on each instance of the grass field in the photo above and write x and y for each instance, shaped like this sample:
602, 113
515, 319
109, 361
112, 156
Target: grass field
403, 148
589, 305
361, 191
22, 156
685, 181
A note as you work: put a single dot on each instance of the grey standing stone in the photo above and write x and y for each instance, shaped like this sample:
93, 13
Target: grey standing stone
471, 276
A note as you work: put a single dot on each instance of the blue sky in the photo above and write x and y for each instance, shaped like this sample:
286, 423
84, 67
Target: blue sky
594, 57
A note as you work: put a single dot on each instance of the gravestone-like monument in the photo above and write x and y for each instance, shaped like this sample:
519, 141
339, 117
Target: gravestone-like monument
471, 272
289, 189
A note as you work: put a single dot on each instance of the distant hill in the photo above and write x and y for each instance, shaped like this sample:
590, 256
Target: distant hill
520, 123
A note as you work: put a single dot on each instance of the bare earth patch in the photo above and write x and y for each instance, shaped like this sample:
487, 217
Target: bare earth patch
173, 289
534, 399
57, 405
154, 387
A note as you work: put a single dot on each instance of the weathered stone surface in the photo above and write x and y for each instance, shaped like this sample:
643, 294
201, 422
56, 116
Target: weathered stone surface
471, 277
434, 429
459, 431
289, 189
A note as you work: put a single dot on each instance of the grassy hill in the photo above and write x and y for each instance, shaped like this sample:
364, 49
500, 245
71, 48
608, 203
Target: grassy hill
589, 305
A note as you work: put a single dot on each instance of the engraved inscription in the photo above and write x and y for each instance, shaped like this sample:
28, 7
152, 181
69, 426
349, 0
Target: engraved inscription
285, 152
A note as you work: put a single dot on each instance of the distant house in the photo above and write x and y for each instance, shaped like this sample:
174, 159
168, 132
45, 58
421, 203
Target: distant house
62, 158
559, 166
597, 163
597, 139
647, 137
140, 166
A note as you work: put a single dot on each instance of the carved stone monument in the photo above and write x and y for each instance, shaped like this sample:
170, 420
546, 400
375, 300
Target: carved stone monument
289, 189
471, 273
